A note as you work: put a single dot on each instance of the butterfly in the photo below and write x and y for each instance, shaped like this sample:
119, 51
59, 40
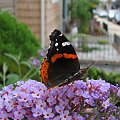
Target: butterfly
61, 65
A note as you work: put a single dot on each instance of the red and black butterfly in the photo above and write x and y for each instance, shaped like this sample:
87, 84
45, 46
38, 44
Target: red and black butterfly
61, 65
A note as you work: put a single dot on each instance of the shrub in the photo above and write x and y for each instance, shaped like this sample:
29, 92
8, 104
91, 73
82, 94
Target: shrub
100, 31
86, 48
111, 77
15, 37
80, 13
103, 42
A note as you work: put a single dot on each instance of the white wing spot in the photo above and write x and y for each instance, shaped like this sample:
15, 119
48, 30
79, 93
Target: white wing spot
68, 43
56, 39
56, 44
65, 43
60, 34
57, 49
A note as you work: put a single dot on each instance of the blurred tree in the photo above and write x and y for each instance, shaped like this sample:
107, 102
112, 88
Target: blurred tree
93, 4
81, 13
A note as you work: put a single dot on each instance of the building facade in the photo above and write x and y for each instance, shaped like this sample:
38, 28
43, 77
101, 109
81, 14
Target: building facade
42, 16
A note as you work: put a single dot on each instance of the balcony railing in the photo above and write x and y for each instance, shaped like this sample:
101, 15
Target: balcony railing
97, 48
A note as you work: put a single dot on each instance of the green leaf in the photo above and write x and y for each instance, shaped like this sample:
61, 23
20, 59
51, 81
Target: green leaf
5, 68
26, 64
12, 78
32, 75
1, 86
12, 57
28, 74
1, 75
19, 56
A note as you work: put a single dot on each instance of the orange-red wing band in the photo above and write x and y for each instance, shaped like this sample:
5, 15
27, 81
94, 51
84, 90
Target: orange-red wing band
65, 55
70, 56
44, 71
55, 57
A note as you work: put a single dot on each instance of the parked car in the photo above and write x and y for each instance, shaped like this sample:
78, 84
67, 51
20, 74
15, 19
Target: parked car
95, 12
111, 14
102, 13
117, 17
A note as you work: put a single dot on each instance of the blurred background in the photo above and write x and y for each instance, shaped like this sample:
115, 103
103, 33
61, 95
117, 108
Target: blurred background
92, 26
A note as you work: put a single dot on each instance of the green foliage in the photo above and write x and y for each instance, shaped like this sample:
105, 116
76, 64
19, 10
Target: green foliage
7, 77
15, 37
80, 11
83, 39
100, 31
21, 65
93, 4
111, 77
103, 42
3, 74
86, 48
77, 35
12, 78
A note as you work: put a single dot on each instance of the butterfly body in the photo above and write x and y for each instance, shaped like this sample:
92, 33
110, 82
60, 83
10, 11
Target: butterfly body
61, 61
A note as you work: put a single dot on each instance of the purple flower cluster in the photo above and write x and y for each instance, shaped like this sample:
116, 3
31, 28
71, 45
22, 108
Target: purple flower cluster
90, 100
36, 61
42, 53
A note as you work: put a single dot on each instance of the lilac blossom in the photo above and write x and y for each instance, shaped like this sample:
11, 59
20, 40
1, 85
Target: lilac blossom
41, 105
65, 115
59, 109
93, 99
35, 61
48, 113
36, 112
118, 93
42, 53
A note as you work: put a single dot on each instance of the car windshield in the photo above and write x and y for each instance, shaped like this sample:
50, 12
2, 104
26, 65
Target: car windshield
118, 15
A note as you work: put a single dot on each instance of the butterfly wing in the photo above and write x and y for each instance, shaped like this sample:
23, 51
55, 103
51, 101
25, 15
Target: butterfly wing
61, 59
44, 71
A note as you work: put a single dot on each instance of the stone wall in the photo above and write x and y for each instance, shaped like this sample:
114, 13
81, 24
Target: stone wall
28, 12
8, 5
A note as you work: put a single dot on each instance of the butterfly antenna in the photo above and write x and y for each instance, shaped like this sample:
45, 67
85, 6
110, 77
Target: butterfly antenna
76, 76
71, 78
85, 69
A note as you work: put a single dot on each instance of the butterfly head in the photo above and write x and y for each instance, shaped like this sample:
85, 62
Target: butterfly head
54, 35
